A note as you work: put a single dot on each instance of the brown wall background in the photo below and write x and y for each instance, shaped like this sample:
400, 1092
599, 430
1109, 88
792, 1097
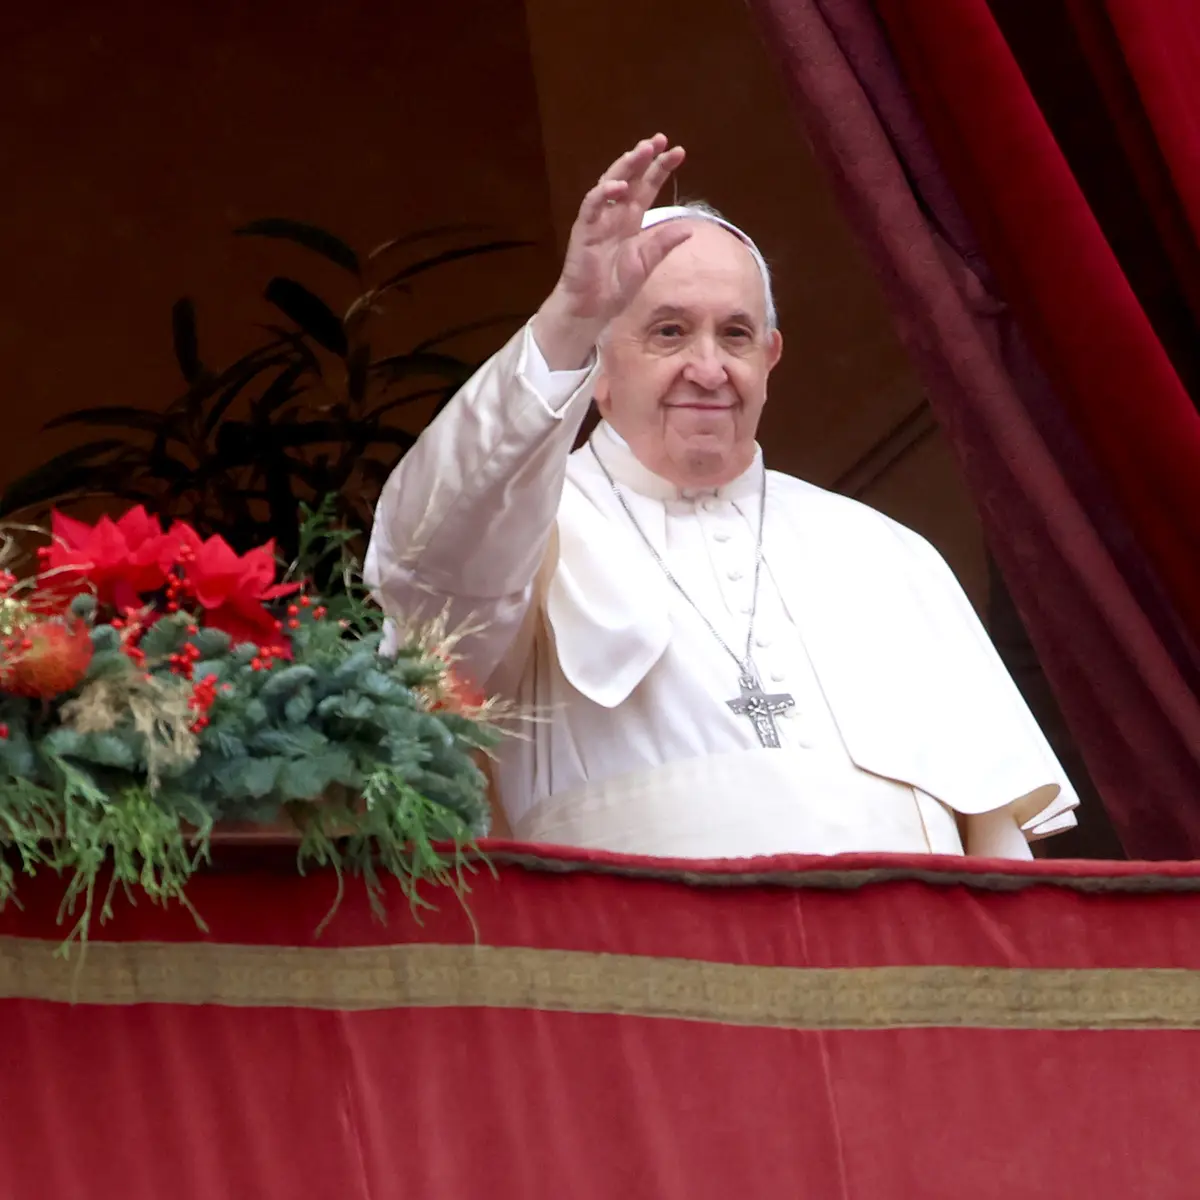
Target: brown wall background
140, 135
136, 137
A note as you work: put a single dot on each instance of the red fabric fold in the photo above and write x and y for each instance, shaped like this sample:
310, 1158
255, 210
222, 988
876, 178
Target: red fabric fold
1161, 44
1058, 272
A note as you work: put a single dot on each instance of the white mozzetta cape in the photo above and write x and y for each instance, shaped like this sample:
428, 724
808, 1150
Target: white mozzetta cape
903, 706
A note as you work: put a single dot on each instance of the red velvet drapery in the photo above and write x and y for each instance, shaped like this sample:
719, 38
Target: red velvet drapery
1056, 269
1112, 82
1110, 643
1160, 41
853, 1029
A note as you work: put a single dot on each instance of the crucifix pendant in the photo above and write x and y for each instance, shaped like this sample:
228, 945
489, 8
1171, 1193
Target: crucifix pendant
761, 709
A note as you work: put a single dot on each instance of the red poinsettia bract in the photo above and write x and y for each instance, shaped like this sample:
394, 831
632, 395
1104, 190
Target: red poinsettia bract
119, 561
126, 561
233, 589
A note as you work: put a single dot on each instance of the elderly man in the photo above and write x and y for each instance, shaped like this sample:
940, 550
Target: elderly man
728, 662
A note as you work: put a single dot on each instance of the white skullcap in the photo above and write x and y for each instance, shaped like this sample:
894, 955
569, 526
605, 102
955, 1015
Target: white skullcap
701, 212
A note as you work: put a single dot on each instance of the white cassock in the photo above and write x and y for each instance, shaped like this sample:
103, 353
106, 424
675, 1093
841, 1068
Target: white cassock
906, 730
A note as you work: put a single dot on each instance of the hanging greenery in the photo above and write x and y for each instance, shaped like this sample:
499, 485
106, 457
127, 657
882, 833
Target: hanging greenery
154, 682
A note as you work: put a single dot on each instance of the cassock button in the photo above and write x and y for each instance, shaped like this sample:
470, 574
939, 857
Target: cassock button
711, 505
778, 676
735, 574
762, 641
722, 535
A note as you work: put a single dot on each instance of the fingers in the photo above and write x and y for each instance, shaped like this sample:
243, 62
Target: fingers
657, 173
606, 192
633, 163
659, 241
646, 167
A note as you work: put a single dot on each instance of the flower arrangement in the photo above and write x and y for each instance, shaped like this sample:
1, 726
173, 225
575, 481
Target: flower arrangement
154, 683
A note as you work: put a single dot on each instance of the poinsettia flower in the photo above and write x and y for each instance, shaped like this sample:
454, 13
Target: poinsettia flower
234, 589
121, 560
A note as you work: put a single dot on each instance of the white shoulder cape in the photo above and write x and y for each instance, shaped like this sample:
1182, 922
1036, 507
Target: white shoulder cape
918, 691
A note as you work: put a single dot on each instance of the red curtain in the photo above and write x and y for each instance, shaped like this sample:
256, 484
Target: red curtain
1124, 147
1054, 266
1123, 671
852, 1029
1160, 40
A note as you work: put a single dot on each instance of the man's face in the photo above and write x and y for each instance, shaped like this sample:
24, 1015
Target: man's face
685, 366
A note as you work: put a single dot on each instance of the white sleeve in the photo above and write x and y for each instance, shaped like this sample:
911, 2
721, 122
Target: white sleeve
554, 387
465, 520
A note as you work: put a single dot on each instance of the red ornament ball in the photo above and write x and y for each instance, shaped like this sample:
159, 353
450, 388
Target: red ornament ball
45, 659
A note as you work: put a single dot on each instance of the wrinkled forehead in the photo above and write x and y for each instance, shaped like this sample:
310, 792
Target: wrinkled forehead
713, 267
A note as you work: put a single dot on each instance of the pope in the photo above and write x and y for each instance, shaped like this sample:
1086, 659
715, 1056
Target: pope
724, 661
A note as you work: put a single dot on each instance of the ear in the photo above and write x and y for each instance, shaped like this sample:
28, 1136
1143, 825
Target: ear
774, 349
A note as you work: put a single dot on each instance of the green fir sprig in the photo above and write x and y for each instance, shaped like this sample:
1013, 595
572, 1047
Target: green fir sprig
118, 784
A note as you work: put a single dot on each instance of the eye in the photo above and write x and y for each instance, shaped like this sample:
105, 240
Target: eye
739, 333
669, 331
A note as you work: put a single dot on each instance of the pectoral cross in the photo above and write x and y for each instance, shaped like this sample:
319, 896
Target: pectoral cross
761, 709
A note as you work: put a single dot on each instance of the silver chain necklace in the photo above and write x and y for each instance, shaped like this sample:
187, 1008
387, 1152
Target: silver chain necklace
753, 703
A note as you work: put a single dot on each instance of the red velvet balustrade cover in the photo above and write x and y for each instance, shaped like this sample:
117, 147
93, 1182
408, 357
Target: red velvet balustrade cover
851, 1029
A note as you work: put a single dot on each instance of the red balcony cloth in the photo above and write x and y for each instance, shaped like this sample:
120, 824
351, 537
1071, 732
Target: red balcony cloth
851, 1028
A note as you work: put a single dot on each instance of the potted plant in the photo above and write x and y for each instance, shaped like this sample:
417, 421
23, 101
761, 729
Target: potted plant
306, 414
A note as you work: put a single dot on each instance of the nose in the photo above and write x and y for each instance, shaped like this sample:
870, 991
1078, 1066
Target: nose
705, 367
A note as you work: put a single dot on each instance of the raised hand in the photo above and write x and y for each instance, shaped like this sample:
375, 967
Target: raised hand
608, 255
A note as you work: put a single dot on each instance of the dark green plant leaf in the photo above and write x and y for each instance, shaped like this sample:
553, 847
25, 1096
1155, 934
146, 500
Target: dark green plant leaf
389, 436
183, 330
425, 235
311, 237
449, 256
237, 445
298, 343
358, 370
121, 416
189, 408
317, 433
457, 331
75, 492
238, 377
58, 476
417, 365
382, 410
281, 389
310, 312
166, 468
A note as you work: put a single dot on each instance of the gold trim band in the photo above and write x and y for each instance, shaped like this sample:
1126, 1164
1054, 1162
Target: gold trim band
434, 976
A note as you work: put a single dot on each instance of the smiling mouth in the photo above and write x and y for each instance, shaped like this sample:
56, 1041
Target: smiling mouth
704, 407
